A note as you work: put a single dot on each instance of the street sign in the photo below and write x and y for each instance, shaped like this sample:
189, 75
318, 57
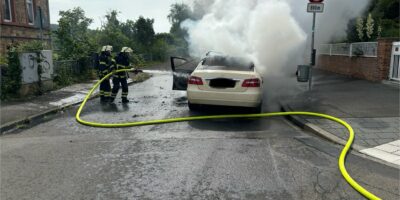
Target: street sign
315, 7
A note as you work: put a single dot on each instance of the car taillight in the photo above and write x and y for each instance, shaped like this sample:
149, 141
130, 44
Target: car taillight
254, 82
194, 80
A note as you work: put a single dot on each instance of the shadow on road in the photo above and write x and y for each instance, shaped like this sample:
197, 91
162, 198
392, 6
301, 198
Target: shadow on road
235, 125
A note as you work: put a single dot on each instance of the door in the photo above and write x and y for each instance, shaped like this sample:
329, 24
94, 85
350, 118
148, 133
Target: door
395, 61
181, 70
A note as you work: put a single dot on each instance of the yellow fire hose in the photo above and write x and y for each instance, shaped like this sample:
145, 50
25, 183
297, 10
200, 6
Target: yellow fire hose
342, 157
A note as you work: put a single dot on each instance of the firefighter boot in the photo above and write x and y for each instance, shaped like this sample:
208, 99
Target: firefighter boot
125, 100
110, 99
103, 99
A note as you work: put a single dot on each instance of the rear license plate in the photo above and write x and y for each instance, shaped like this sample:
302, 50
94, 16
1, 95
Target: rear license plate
222, 83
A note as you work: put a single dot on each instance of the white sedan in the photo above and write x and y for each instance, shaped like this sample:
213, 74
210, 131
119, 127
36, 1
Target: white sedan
219, 80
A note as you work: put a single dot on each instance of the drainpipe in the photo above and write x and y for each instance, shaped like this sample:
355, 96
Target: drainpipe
41, 23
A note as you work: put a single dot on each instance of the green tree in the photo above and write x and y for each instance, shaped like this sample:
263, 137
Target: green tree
143, 32
163, 46
111, 32
369, 27
127, 28
360, 28
167, 37
112, 19
385, 13
385, 9
382, 20
352, 35
73, 34
178, 14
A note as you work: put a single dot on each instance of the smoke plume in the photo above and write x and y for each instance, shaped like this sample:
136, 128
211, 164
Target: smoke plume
274, 33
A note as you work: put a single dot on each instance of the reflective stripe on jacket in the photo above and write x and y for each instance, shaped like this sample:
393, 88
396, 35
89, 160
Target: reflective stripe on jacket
122, 62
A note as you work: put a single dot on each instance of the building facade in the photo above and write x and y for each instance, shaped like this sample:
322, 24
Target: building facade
23, 21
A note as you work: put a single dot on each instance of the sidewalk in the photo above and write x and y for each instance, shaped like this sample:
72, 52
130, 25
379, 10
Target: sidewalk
372, 109
18, 113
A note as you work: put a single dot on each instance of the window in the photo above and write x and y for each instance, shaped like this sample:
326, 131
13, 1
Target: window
227, 63
29, 9
7, 11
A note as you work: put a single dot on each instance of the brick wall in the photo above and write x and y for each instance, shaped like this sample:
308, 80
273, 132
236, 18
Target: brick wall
384, 56
373, 69
358, 67
19, 30
17, 34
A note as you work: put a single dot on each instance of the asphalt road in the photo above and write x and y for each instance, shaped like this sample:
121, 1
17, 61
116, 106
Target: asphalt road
220, 159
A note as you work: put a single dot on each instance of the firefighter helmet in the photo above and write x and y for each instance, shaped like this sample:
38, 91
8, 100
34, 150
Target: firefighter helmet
107, 48
126, 50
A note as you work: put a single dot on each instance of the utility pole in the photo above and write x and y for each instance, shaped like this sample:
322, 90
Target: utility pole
315, 6
313, 52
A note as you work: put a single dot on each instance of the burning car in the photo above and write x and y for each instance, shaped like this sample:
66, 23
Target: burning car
220, 80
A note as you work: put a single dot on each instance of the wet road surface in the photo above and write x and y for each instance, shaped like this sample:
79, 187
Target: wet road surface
219, 159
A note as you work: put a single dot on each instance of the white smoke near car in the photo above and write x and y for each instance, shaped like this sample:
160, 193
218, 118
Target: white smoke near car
274, 33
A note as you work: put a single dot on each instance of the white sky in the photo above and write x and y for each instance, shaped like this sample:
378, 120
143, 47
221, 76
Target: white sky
129, 9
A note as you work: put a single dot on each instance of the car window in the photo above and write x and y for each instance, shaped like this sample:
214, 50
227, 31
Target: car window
227, 63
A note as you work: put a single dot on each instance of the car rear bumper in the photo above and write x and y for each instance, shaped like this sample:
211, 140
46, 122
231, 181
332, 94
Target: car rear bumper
241, 99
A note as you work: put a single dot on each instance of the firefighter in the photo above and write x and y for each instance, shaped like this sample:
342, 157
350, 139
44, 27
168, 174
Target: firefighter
106, 63
120, 78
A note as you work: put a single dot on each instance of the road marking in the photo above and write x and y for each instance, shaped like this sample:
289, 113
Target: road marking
386, 152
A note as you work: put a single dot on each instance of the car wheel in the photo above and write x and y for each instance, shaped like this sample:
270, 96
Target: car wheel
258, 109
193, 107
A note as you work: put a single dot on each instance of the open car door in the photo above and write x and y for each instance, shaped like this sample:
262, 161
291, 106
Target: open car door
181, 70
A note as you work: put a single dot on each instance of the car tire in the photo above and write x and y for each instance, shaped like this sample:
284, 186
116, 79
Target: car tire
258, 109
193, 107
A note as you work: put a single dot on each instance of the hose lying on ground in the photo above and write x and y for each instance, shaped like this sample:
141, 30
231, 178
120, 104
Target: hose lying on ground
342, 156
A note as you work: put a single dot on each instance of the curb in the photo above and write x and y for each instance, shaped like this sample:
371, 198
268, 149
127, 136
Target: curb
5, 129
10, 126
305, 125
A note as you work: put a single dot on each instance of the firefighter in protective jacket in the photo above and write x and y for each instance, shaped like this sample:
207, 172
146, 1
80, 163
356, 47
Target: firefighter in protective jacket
120, 78
106, 63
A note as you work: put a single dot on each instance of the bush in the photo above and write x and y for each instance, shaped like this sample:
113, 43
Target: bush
63, 77
69, 72
3, 60
11, 75
32, 46
137, 60
390, 28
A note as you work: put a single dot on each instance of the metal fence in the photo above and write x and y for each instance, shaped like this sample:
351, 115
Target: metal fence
70, 66
364, 49
74, 67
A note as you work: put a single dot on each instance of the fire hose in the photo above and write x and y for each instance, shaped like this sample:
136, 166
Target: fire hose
342, 157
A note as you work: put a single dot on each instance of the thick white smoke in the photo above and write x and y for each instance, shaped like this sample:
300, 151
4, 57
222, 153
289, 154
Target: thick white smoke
262, 30
274, 33
332, 23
